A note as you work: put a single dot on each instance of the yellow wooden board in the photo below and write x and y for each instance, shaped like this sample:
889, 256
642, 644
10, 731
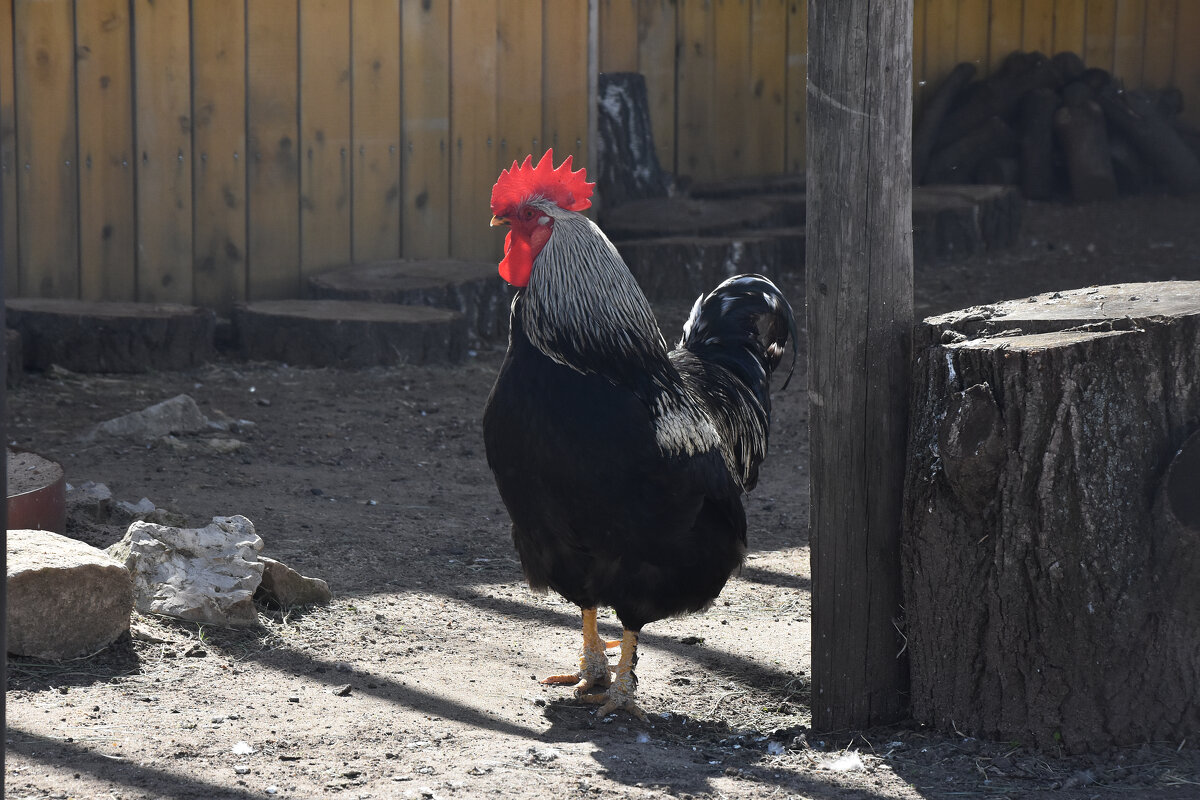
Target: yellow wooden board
1159, 62
107, 236
219, 138
518, 82
941, 41
1187, 60
325, 161
919, 83
1069, 23
273, 165
162, 79
768, 87
8, 154
47, 186
426, 114
618, 35
1099, 33
565, 82
375, 37
731, 87
656, 61
695, 128
796, 116
1004, 34
1037, 33
973, 34
472, 128
1129, 41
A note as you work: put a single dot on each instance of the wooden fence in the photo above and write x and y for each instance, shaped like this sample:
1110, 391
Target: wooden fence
213, 151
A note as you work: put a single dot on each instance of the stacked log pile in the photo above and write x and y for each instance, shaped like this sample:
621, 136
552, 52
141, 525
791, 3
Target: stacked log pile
1055, 128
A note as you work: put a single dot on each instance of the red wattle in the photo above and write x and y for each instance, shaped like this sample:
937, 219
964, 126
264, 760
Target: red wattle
517, 264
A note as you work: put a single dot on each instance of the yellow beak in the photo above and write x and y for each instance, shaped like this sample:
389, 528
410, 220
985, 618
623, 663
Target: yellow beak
497, 221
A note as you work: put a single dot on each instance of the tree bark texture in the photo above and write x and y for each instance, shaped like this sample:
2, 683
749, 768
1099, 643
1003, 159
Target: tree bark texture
859, 294
629, 168
1050, 558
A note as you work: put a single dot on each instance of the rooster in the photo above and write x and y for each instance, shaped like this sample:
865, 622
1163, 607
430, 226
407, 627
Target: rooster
622, 463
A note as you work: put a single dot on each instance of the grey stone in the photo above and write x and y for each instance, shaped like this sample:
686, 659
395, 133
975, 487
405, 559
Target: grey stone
204, 574
285, 586
65, 598
180, 414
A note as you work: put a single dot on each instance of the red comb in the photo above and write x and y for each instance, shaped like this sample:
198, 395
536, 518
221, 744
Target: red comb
569, 190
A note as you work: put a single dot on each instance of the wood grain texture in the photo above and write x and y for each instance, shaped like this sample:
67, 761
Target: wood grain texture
656, 61
8, 154
1129, 41
767, 87
518, 95
163, 109
219, 139
1158, 64
731, 86
273, 168
375, 37
472, 129
859, 289
1099, 33
325, 161
565, 80
1004, 33
1069, 24
1037, 27
695, 79
973, 33
618, 35
426, 117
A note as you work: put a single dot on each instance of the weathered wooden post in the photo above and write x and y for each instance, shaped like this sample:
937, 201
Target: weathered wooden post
859, 292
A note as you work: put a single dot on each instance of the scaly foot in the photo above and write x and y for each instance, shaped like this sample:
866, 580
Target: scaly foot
594, 671
620, 694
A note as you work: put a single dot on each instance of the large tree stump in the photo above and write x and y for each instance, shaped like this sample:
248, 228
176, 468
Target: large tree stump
1050, 547
628, 163
111, 337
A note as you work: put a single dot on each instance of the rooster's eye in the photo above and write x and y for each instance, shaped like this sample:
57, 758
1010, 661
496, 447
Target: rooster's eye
527, 214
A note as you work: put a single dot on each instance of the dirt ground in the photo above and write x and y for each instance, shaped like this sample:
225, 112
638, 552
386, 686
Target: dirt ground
419, 680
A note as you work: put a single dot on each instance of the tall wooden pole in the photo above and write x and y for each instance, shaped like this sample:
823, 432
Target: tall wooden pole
859, 286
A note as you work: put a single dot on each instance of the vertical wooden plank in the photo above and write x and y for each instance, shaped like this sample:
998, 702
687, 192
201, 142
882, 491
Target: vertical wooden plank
972, 34
324, 135
273, 169
107, 236
1159, 62
219, 142
731, 57
920, 84
1129, 41
47, 186
618, 35
163, 109
1099, 31
375, 37
941, 40
1187, 60
518, 82
797, 85
1037, 30
1004, 33
425, 28
696, 144
8, 152
472, 128
768, 77
656, 61
565, 81
1069, 21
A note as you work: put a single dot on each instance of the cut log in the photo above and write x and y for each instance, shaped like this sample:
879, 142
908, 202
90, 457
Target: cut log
999, 95
1045, 599
749, 186
998, 171
37, 493
957, 162
684, 216
14, 357
1080, 130
628, 163
471, 287
1133, 175
681, 267
1036, 130
112, 337
954, 221
347, 333
1067, 67
1151, 133
926, 133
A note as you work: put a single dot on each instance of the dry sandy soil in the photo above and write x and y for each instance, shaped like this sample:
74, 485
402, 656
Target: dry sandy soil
419, 680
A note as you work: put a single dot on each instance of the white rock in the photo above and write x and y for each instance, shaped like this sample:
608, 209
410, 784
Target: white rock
65, 598
180, 414
198, 574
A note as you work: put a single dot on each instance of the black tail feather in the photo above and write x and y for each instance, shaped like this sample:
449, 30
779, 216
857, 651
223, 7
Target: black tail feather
744, 325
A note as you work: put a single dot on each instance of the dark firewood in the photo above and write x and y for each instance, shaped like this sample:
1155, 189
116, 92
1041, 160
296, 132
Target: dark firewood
1097, 78
1037, 142
957, 162
998, 171
1130, 169
1084, 140
1139, 121
1077, 93
628, 163
999, 95
1067, 67
1049, 565
1169, 102
926, 131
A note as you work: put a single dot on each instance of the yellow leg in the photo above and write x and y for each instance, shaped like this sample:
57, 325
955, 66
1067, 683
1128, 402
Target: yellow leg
624, 685
594, 670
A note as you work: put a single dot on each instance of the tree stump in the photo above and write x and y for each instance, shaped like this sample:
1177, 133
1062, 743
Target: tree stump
111, 337
1051, 536
628, 163
346, 333
953, 221
471, 287
682, 216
